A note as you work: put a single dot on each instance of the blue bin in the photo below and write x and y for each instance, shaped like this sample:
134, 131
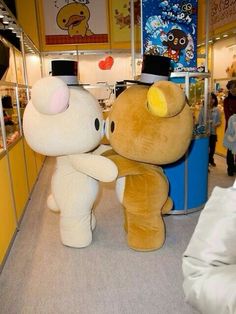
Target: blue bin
188, 178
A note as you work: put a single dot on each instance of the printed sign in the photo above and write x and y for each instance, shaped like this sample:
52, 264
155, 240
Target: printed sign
170, 29
75, 22
121, 20
222, 12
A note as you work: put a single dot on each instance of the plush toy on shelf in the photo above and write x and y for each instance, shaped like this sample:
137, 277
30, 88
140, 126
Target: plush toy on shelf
67, 122
147, 126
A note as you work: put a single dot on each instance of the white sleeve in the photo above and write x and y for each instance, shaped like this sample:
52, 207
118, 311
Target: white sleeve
209, 262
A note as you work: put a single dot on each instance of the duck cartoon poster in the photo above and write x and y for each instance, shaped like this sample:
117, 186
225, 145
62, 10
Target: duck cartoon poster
170, 29
75, 22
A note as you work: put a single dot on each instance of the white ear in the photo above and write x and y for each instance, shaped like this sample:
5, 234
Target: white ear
50, 95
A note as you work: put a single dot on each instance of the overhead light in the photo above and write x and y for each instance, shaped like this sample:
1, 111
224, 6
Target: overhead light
217, 38
1, 14
225, 35
18, 34
5, 20
210, 41
11, 26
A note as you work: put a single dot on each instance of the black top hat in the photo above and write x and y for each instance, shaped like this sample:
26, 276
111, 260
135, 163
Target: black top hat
155, 68
66, 70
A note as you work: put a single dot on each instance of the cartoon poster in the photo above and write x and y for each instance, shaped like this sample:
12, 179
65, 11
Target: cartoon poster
75, 22
170, 29
121, 20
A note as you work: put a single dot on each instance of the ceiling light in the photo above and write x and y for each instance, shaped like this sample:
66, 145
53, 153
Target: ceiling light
5, 20
11, 26
225, 35
18, 34
1, 14
217, 38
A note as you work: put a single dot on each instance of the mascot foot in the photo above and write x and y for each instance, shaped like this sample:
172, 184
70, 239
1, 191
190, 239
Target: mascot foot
51, 203
76, 232
143, 236
167, 206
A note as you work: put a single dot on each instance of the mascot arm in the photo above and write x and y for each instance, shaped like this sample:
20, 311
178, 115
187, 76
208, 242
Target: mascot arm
130, 167
97, 167
102, 149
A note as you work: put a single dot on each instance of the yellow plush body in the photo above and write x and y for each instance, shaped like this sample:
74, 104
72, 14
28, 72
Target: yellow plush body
143, 136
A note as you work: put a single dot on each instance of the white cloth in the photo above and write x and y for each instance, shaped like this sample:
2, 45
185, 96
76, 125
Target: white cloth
230, 134
209, 262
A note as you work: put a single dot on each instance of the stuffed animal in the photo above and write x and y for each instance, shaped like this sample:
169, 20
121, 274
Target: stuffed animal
67, 123
147, 126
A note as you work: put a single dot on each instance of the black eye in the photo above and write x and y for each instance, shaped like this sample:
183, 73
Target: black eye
182, 41
64, 20
81, 13
112, 126
171, 37
97, 124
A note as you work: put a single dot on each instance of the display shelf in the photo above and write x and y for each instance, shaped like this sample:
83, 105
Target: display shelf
10, 112
19, 169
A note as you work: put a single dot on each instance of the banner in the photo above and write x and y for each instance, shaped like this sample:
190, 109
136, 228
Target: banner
222, 12
75, 22
121, 20
170, 29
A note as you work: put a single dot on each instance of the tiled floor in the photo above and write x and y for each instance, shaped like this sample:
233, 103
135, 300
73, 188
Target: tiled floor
218, 175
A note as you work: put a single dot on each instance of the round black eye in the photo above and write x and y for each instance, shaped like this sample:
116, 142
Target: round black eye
112, 126
171, 37
81, 13
97, 124
64, 20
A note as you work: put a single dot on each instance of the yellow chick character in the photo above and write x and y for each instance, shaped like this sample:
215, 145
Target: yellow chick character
74, 18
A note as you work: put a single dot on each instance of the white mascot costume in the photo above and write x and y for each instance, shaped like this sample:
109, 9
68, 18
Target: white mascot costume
67, 123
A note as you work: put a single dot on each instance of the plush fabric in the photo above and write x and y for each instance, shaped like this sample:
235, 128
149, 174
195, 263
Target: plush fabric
145, 200
209, 262
67, 123
142, 137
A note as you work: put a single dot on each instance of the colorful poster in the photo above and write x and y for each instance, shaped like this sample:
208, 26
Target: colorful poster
170, 29
75, 22
121, 20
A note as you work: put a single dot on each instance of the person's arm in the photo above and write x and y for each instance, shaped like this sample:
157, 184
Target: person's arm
217, 120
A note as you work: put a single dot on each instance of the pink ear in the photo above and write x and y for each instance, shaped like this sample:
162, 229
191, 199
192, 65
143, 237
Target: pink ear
59, 100
50, 95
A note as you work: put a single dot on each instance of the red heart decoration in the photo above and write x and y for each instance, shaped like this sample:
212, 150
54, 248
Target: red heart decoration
106, 64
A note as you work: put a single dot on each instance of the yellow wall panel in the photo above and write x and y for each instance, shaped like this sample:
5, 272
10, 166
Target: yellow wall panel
220, 131
39, 161
7, 214
30, 165
19, 178
26, 15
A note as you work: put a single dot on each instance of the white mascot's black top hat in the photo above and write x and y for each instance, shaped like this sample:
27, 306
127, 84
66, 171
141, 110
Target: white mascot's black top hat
66, 70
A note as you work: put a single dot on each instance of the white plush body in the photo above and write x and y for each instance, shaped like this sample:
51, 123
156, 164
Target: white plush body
209, 262
67, 123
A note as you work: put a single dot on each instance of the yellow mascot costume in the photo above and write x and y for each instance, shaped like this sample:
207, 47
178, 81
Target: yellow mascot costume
147, 126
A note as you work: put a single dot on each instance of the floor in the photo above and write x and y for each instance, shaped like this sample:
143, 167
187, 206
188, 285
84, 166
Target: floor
43, 276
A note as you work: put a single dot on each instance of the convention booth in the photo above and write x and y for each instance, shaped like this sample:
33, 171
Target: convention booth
107, 52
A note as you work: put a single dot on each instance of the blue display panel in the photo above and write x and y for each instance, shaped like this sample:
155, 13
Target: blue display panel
169, 28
